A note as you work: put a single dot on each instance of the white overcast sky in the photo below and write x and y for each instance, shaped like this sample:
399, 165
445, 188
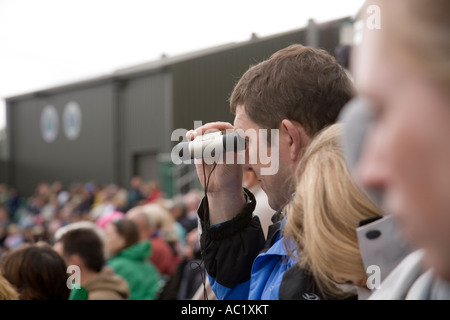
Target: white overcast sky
44, 43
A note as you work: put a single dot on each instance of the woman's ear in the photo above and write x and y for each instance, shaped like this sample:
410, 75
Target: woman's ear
295, 136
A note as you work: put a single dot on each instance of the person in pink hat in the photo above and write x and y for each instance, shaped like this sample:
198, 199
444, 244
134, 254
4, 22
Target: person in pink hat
104, 220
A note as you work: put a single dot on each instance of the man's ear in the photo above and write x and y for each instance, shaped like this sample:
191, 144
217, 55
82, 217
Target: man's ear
295, 136
74, 259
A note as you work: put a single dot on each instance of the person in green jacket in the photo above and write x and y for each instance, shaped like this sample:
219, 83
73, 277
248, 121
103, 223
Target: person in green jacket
129, 259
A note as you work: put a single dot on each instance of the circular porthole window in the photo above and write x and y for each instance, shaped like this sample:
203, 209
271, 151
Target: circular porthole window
72, 120
49, 123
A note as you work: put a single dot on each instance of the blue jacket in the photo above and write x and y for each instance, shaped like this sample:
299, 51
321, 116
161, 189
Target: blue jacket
241, 265
265, 279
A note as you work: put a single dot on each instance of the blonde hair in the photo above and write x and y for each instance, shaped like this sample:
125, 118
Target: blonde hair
324, 213
160, 218
7, 291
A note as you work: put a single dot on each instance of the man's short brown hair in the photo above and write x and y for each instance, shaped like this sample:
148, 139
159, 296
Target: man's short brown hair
86, 243
298, 83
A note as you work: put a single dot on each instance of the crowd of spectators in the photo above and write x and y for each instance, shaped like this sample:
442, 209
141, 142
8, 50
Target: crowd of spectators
169, 224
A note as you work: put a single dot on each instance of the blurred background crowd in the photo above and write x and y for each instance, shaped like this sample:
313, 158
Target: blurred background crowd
168, 224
